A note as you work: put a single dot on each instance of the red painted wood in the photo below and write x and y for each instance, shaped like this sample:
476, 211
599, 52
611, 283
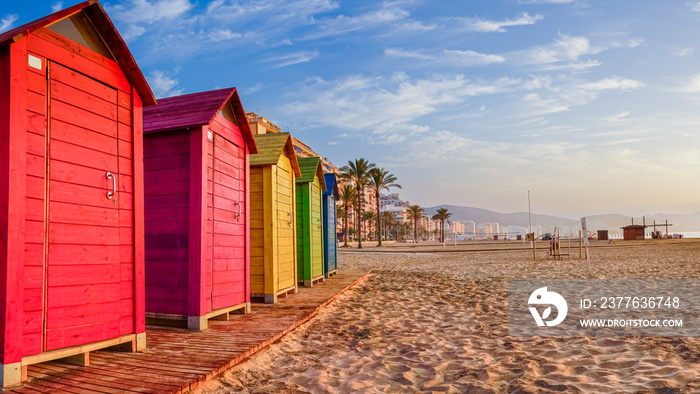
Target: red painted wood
12, 203
196, 295
139, 273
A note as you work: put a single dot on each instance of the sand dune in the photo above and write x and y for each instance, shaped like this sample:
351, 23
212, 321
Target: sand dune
438, 323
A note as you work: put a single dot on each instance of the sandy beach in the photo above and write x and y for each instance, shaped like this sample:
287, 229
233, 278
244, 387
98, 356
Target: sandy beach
437, 322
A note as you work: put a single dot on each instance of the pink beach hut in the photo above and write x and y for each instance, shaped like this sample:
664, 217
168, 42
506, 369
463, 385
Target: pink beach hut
196, 162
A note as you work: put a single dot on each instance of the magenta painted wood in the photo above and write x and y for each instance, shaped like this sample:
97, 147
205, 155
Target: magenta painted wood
196, 150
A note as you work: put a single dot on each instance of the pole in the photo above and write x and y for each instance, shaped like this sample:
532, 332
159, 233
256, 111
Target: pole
580, 245
529, 214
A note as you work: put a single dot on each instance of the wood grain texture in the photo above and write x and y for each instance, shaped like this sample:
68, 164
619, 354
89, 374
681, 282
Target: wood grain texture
178, 360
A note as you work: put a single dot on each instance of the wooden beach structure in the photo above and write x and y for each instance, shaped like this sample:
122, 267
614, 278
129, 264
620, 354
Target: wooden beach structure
309, 187
330, 221
196, 152
273, 262
71, 191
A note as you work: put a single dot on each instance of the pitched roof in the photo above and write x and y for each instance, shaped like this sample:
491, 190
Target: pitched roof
270, 148
310, 167
331, 185
104, 26
196, 110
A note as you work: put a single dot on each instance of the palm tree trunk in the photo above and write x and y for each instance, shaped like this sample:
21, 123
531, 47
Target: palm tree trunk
379, 220
359, 216
347, 228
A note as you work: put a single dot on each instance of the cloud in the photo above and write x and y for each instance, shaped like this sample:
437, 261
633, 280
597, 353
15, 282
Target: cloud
145, 11
690, 86
619, 117
293, 58
694, 6
223, 35
163, 85
539, 106
471, 58
254, 89
8, 22
613, 83
684, 52
389, 14
360, 102
486, 26
397, 52
57, 6
566, 48
448, 57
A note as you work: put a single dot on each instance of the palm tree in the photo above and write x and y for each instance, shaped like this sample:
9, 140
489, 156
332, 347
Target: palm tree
442, 215
357, 172
415, 213
387, 220
368, 217
347, 197
380, 179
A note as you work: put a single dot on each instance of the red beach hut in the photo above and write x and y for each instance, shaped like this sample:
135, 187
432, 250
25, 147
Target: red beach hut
71, 194
196, 161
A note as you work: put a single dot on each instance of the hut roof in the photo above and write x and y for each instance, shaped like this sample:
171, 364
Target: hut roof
270, 148
310, 167
331, 185
103, 25
196, 110
634, 226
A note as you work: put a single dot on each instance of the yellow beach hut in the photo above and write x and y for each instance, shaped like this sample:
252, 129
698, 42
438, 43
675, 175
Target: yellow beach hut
309, 187
273, 255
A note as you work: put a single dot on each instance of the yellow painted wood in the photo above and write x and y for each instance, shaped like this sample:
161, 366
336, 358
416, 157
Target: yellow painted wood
269, 217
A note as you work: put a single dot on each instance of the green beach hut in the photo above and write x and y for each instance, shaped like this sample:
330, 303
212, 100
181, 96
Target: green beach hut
309, 187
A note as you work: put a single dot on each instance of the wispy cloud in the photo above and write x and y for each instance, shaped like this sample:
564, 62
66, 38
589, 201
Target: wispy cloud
619, 117
361, 102
447, 57
223, 35
293, 58
471, 58
403, 53
691, 85
612, 83
57, 6
694, 5
486, 26
138, 14
8, 22
387, 15
684, 52
164, 85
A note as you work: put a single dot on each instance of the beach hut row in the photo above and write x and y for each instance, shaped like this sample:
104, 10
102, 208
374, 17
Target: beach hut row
116, 210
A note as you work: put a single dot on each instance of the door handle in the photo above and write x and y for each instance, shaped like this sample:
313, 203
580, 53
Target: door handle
291, 219
237, 215
113, 177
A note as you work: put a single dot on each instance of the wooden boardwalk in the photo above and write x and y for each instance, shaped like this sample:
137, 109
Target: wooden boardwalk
177, 360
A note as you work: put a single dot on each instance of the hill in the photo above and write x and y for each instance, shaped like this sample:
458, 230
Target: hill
610, 222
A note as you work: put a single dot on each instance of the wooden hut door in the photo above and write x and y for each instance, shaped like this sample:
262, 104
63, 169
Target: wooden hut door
228, 220
82, 264
316, 230
286, 255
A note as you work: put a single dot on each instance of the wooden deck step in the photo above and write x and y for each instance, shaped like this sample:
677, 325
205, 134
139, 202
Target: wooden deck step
177, 360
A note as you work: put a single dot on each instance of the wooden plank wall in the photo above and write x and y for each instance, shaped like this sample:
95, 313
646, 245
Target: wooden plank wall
34, 219
316, 229
166, 163
257, 230
226, 182
303, 232
285, 231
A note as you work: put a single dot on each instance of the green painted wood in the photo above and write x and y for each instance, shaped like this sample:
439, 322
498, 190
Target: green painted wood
316, 229
309, 219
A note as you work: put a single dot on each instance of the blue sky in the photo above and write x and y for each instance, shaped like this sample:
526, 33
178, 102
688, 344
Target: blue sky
594, 106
